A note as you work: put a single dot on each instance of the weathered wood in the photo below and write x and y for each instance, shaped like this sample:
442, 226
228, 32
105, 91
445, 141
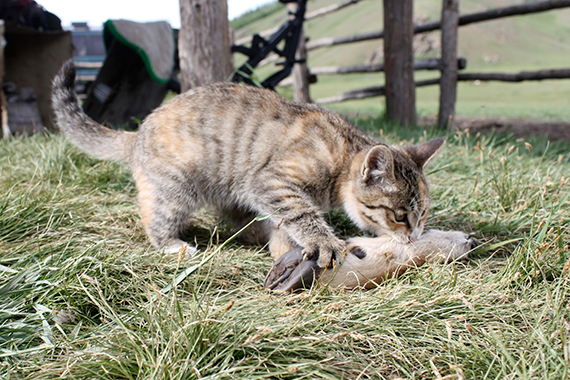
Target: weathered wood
204, 42
300, 70
309, 16
330, 41
399, 62
369, 92
515, 10
518, 77
425, 64
301, 74
330, 9
448, 80
329, 70
492, 14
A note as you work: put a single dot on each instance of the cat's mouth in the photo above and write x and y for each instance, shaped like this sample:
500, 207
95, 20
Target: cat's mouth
397, 236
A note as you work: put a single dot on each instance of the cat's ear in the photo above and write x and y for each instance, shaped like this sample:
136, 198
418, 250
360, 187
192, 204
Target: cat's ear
378, 163
422, 153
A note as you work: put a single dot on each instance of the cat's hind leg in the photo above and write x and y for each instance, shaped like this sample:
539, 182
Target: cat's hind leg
165, 208
257, 232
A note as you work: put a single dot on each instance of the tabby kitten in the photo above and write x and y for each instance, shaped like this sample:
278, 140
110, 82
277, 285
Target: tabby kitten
251, 152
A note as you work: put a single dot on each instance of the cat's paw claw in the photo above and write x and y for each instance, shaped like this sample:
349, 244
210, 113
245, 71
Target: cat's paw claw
327, 263
326, 255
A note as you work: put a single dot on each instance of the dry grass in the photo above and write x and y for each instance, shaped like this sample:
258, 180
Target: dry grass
82, 295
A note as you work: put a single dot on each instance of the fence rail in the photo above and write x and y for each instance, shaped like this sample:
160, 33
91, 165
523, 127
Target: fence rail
515, 10
309, 16
369, 92
448, 65
426, 64
518, 77
374, 91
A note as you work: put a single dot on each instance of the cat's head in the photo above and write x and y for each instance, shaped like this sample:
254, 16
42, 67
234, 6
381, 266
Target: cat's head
389, 193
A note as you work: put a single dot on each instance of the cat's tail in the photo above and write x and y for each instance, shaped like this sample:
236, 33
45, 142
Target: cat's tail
84, 132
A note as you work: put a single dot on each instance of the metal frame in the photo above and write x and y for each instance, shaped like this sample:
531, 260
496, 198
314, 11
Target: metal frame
290, 31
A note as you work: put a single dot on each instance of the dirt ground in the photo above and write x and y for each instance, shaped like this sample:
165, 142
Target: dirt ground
518, 127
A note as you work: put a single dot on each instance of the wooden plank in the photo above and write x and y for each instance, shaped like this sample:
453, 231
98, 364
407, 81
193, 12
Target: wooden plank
369, 92
330, 9
492, 14
518, 77
399, 62
309, 16
330, 41
300, 70
204, 43
515, 10
448, 80
425, 64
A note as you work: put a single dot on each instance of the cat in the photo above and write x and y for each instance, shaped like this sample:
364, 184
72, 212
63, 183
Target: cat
369, 261
252, 152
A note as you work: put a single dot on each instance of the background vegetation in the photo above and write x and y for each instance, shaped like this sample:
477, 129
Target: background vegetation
531, 42
80, 287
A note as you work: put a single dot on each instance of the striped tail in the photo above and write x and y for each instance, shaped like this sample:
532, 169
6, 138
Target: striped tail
84, 132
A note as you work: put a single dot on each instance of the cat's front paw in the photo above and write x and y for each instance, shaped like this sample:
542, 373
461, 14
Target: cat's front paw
326, 254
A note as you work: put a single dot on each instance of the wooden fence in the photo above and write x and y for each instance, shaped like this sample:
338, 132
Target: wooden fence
448, 64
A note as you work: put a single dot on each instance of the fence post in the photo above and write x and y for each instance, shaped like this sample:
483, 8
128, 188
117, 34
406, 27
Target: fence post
448, 80
204, 43
399, 61
300, 70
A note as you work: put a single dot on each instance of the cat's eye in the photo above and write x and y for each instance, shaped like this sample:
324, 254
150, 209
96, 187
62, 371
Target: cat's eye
400, 217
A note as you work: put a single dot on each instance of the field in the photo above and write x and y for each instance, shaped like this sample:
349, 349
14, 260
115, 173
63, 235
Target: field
522, 43
84, 296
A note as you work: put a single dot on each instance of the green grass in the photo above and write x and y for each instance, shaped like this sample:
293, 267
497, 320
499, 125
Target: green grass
256, 14
523, 43
80, 286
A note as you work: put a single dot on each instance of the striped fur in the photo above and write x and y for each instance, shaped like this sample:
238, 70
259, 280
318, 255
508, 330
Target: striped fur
251, 152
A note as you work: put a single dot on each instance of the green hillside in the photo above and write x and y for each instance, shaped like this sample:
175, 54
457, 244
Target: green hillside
532, 42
